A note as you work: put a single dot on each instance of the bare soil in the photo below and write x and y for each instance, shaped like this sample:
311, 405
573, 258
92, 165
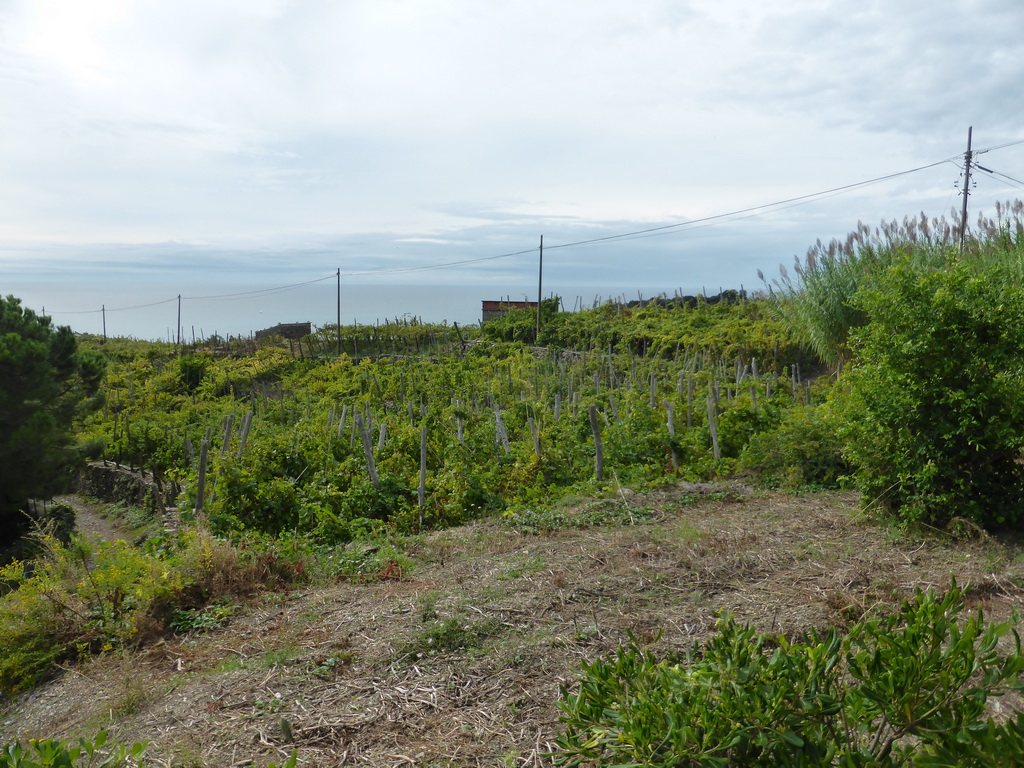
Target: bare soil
459, 660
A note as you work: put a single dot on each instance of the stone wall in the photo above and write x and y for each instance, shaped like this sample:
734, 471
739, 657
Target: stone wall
112, 483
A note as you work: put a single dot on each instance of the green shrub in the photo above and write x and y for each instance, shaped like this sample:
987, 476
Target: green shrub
937, 398
804, 450
909, 688
90, 597
88, 753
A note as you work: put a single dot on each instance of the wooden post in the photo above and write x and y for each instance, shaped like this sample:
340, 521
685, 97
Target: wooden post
672, 434
540, 286
595, 427
344, 415
201, 482
713, 427
245, 433
500, 427
422, 491
364, 433
229, 422
689, 400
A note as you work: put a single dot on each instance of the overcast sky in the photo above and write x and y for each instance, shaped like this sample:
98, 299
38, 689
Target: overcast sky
156, 147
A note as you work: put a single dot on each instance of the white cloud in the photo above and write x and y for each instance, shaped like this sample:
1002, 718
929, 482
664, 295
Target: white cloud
382, 129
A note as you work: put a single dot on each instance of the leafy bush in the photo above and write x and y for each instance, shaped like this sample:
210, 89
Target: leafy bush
88, 753
803, 450
937, 398
91, 597
909, 688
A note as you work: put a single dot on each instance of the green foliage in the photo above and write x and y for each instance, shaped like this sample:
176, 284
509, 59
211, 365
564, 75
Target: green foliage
521, 324
905, 689
93, 597
609, 512
87, 753
303, 466
817, 303
455, 633
44, 383
803, 450
192, 370
213, 616
936, 402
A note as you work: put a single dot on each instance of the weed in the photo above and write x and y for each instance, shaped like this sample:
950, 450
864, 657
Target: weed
213, 616
278, 657
607, 512
452, 634
523, 566
333, 664
87, 753
427, 603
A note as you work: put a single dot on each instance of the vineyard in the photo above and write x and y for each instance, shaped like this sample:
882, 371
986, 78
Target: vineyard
605, 485
417, 427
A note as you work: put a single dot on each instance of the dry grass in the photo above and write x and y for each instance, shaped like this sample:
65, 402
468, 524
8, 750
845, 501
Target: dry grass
346, 674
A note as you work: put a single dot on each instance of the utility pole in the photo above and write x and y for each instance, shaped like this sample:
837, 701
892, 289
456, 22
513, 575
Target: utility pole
540, 285
339, 311
103, 309
179, 322
966, 190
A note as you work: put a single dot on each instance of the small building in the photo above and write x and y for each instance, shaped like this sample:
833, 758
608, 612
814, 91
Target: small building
287, 330
492, 310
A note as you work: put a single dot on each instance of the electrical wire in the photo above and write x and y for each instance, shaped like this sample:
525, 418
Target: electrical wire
396, 270
261, 290
114, 309
756, 210
1015, 183
998, 146
706, 221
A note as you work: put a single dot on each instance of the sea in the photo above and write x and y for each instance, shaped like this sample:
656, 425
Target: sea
151, 312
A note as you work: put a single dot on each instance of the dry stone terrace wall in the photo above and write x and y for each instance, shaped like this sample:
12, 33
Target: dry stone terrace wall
112, 483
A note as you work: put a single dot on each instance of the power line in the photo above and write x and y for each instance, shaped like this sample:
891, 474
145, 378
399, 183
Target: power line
118, 309
999, 146
756, 210
1016, 183
664, 229
396, 270
261, 290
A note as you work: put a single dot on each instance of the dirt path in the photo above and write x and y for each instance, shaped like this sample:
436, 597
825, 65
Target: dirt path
459, 662
88, 519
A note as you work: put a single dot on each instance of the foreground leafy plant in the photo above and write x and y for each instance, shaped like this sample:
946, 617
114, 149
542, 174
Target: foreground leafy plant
937, 399
907, 689
88, 753
92, 597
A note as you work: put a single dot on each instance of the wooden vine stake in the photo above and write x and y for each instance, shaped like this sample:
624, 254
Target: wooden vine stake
672, 434
713, 427
246, 426
536, 435
422, 491
229, 422
595, 425
201, 482
499, 425
364, 433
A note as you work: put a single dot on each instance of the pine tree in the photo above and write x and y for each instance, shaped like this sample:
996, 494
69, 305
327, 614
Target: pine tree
44, 382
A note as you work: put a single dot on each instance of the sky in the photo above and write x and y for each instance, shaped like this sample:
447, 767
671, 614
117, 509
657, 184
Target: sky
151, 149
